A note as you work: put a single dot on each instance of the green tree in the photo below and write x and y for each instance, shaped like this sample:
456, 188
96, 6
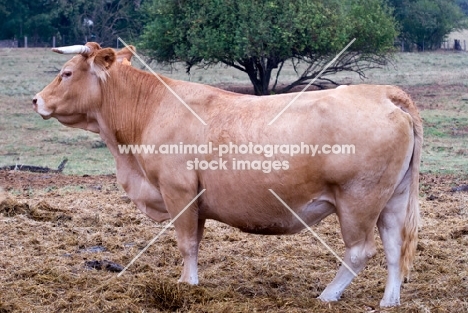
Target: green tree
463, 4
75, 20
258, 36
105, 20
39, 20
426, 23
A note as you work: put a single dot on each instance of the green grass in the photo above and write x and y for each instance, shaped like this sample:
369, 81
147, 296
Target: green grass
437, 82
446, 141
27, 139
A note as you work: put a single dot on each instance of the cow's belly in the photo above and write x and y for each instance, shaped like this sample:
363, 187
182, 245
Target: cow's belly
265, 214
288, 223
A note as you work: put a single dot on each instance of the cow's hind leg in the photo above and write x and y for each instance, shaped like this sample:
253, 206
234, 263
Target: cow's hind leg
390, 224
358, 236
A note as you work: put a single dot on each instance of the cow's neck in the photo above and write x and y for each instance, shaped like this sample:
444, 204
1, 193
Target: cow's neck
128, 103
130, 99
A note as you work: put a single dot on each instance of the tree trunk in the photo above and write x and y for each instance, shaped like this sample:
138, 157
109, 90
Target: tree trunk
259, 71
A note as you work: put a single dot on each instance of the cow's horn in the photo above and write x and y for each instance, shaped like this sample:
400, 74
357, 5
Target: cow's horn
72, 49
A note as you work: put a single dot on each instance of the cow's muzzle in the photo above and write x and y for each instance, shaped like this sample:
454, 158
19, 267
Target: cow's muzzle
39, 107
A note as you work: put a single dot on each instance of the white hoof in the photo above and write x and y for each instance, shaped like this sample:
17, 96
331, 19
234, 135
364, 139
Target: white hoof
389, 303
327, 298
190, 281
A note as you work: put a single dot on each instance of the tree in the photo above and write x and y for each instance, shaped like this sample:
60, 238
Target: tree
258, 36
426, 23
105, 20
463, 4
19, 18
99, 20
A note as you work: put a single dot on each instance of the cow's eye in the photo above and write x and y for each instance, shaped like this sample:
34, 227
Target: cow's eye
66, 74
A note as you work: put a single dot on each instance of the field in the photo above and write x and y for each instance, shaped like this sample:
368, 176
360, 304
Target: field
55, 227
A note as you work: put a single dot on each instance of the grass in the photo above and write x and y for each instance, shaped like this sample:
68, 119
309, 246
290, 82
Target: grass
27, 139
446, 145
437, 82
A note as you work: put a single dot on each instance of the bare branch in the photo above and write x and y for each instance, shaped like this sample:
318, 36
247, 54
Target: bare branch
277, 76
351, 61
234, 65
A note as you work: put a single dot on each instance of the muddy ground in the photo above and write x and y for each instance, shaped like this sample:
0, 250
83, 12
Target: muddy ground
54, 229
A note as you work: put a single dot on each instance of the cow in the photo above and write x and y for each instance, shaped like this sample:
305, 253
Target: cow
377, 185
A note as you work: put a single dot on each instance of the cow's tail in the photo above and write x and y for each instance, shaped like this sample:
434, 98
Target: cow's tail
411, 223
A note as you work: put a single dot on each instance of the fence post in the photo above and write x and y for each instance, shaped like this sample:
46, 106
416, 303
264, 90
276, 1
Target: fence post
25, 41
53, 42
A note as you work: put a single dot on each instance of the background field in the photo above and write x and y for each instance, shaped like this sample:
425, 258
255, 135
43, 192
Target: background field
49, 222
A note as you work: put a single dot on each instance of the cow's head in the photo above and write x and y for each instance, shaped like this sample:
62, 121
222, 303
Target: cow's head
76, 91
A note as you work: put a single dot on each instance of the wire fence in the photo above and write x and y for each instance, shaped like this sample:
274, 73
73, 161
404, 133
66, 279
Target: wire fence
456, 44
52, 42
447, 45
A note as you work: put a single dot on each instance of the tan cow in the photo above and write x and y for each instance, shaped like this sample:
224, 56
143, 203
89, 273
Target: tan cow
377, 185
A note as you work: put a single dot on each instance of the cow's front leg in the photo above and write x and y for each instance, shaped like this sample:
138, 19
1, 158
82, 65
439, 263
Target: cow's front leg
188, 226
189, 234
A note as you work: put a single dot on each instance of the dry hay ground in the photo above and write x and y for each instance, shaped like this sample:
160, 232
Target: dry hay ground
48, 223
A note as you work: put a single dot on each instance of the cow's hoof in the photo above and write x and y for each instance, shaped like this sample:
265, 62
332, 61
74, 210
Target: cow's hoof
189, 281
389, 303
325, 298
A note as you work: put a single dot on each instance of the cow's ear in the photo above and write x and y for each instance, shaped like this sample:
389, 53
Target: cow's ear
93, 46
125, 53
104, 58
